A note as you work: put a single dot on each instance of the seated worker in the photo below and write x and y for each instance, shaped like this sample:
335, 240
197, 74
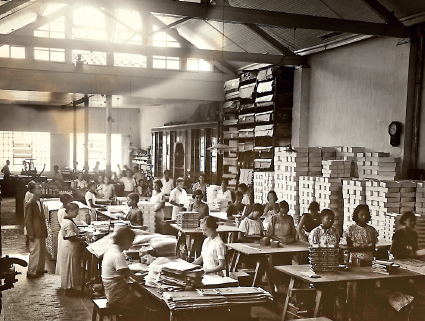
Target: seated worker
405, 239
224, 193
135, 215
244, 189
107, 189
271, 208
325, 234
57, 179
213, 254
99, 183
251, 227
237, 208
201, 185
308, 221
198, 205
81, 182
115, 271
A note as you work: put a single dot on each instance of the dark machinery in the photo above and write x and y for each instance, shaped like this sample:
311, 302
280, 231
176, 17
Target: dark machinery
8, 273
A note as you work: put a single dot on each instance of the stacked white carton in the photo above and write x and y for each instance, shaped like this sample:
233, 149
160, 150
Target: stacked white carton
383, 197
263, 183
420, 198
391, 224
306, 192
246, 176
328, 153
407, 196
314, 161
378, 165
328, 193
336, 168
354, 194
289, 166
351, 154
147, 209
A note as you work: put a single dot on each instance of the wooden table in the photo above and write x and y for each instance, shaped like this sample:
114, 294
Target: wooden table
228, 311
259, 253
223, 230
353, 274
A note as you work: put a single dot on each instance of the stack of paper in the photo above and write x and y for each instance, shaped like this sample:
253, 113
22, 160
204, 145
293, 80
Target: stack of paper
263, 183
384, 267
420, 198
306, 192
148, 215
176, 300
179, 276
328, 193
390, 225
336, 168
188, 219
353, 194
323, 259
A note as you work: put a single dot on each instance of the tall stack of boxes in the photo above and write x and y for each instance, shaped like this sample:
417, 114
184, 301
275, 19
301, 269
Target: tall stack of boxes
353, 194
420, 198
263, 183
306, 192
246, 176
407, 196
314, 161
328, 193
378, 165
336, 168
147, 209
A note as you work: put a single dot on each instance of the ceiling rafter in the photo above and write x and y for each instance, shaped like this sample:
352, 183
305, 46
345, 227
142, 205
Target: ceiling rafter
11, 5
103, 46
222, 65
170, 25
258, 17
384, 13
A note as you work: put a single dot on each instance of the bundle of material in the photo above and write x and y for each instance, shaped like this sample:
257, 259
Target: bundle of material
384, 267
323, 259
241, 294
179, 276
176, 300
163, 246
188, 219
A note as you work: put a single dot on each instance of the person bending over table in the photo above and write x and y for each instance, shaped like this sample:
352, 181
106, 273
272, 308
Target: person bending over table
135, 215
405, 239
251, 227
213, 254
237, 208
244, 189
115, 271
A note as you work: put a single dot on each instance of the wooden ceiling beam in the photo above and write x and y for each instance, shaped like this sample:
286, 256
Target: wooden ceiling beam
9, 6
255, 16
92, 45
384, 13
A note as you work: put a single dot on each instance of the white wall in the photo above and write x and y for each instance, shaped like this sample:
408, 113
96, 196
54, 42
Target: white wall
355, 92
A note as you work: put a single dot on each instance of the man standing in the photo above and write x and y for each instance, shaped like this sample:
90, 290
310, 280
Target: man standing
177, 198
167, 183
37, 233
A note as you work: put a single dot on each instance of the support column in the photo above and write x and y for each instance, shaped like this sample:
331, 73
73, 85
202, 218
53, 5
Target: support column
108, 134
300, 109
86, 133
74, 149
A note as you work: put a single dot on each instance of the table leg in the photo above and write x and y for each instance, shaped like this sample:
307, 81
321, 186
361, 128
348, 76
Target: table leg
257, 268
318, 298
269, 273
288, 297
235, 261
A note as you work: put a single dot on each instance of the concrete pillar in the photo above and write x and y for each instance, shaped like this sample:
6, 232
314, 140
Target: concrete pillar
108, 134
86, 133
300, 109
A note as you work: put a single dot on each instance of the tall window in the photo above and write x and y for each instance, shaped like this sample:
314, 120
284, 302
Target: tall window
54, 29
7, 51
19, 146
89, 23
162, 39
121, 33
97, 150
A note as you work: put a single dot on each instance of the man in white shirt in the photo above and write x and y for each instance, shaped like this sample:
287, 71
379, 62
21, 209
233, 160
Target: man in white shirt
167, 183
224, 193
177, 197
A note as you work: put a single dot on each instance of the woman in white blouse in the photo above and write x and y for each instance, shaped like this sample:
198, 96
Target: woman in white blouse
159, 203
213, 254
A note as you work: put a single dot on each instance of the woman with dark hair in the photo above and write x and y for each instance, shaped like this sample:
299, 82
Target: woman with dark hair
115, 271
271, 208
308, 221
405, 239
65, 199
158, 199
91, 200
213, 254
198, 205
202, 186
70, 264
135, 215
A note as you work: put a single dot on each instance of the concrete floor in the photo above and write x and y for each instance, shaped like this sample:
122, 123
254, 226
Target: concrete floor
43, 299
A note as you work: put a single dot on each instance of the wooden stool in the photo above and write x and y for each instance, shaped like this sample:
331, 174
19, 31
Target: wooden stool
102, 308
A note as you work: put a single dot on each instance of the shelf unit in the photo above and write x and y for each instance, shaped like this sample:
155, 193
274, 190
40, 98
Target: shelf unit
143, 159
264, 115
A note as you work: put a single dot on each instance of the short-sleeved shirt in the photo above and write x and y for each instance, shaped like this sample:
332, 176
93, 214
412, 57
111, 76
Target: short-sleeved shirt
129, 184
245, 199
90, 196
227, 194
201, 208
61, 215
68, 228
135, 216
402, 239
281, 226
212, 251
167, 186
324, 237
113, 261
362, 236
202, 187
107, 190
251, 227
178, 197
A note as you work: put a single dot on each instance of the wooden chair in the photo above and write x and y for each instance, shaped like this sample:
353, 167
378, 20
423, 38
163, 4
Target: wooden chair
102, 308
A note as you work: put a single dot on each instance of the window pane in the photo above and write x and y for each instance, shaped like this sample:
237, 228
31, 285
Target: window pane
4, 51
173, 63
159, 62
204, 65
57, 55
41, 54
41, 33
17, 52
192, 64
